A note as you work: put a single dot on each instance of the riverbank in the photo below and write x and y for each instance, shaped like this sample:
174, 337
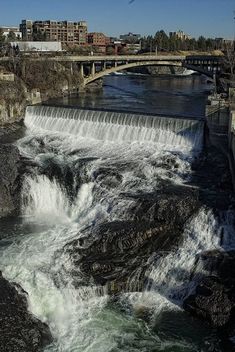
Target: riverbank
33, 83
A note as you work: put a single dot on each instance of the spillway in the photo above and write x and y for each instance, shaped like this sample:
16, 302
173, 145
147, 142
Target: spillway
117, 126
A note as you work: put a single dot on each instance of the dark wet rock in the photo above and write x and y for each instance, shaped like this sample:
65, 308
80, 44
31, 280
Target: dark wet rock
20, 331
120, 250
108, 177
172, 205
118, 254
167, 162
214, 298
11, 132
211, 174
9, 180
211, 302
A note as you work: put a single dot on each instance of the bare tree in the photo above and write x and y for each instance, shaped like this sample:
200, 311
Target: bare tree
230, 58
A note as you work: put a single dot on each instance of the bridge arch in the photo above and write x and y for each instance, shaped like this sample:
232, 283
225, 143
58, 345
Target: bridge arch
199, 69
117, 68
122, 67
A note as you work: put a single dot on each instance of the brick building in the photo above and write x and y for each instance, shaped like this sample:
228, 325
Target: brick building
68, 33
98, 39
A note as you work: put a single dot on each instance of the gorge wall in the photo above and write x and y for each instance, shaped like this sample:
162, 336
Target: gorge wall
33, 83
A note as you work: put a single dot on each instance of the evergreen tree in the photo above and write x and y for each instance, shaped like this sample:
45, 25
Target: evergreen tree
2, 36
11, 37
39, 36
202, 43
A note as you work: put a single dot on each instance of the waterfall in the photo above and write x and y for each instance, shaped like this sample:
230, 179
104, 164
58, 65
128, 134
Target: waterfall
117, 126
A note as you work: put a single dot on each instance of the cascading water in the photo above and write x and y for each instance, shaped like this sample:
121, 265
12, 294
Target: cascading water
108, 155
117, 127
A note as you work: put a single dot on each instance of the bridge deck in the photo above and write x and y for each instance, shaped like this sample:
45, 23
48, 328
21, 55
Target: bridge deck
103, 58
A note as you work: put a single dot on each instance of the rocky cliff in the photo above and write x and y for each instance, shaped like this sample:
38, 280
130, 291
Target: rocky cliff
9, 180
13, 99
34, 82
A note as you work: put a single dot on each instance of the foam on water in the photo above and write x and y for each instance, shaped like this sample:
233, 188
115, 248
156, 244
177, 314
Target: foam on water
81, 319
45, 200
117, 127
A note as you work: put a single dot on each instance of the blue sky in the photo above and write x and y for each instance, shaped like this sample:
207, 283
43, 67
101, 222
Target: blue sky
196, 17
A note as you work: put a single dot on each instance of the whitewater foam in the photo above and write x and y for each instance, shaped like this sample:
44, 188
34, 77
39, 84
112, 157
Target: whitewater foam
117, 127
81, 319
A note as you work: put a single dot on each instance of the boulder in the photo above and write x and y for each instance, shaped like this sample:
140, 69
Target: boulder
211, 302
20, 331
214, 297
171, 204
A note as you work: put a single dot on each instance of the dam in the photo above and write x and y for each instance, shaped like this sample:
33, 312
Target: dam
117, 126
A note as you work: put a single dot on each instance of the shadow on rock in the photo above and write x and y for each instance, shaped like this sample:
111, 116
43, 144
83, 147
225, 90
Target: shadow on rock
214, 298
9, 180
20, 331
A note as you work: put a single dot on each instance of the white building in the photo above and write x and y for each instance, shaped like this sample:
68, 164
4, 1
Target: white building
38, 46
15, 30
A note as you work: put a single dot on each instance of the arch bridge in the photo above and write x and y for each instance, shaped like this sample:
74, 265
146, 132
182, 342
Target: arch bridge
96, 67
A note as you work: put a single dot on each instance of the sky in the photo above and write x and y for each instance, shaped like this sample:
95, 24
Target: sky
211, 18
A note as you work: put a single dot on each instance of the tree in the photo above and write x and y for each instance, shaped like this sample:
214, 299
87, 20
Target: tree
110, 50
202, 43
161, 40
230, 57
39, 36
210, 44
11, 37
2, 36
174, 43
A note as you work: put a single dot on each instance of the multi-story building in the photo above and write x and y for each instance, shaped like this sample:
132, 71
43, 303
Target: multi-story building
180, 35
130, 38
98, 39
68, 33
26, 28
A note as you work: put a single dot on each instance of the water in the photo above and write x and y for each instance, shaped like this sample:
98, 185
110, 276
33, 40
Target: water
162, 95
86, 161
118, 127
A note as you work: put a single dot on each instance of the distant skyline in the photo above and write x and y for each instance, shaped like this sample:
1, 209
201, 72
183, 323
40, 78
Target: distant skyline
211, 18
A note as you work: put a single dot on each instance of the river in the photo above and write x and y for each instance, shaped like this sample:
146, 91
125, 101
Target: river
86, 171
158, 95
